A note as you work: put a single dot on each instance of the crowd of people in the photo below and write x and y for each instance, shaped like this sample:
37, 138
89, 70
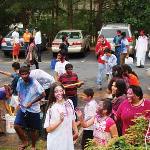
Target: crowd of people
32, 43
101, 121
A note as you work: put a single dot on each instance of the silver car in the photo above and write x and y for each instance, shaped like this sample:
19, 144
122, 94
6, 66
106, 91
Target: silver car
109, 31
78, 41
7, 43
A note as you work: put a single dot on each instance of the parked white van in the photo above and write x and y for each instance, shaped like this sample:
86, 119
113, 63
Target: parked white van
109, 31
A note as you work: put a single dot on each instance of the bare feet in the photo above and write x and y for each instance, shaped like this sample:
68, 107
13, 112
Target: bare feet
23, 146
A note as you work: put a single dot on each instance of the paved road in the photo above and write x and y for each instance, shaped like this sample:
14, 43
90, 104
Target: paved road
85, 67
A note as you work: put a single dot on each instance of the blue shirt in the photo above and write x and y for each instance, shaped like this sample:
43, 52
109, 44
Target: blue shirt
15, 77
124, 44
27, 92
2, 93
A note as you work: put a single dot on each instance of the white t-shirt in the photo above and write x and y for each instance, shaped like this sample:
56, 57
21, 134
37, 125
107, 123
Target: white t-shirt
90, 111
61, 138
110, 62
37, 38
124, 43
42, 77
60, 67
15, 36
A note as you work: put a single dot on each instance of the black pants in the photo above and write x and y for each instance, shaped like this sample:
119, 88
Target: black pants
39, 52
87, 134
35, 62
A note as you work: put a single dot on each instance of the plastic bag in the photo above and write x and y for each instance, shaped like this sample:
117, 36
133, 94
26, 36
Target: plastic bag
129, 60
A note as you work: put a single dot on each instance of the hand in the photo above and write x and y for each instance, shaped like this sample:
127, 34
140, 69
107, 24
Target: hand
62, 117
79, 114
28, 105
75, 136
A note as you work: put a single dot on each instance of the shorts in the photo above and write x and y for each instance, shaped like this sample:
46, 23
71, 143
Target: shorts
87, 135
28, 120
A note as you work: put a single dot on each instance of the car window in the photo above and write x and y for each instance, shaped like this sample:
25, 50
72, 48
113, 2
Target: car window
110, 33
71, 35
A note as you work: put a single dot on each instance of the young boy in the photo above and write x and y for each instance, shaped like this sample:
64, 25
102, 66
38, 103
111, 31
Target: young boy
71, 83
89, 112
110, 61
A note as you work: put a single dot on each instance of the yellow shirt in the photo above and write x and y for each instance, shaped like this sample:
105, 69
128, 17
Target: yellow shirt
26, 36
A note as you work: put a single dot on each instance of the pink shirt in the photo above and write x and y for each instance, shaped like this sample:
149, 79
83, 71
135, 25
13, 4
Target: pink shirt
127, 112
102, 129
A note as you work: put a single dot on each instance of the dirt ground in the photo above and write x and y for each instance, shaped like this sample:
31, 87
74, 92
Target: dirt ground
11, 141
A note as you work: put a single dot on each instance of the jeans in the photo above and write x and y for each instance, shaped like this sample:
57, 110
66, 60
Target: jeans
101, 72
117, 53
26, 44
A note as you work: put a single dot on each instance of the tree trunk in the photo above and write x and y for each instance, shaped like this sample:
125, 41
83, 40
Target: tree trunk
70, 14
98, 20
91, 18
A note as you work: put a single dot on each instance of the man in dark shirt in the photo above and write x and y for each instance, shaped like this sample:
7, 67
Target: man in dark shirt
64, 46
71, 83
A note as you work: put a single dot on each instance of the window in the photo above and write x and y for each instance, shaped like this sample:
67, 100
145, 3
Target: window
71, 35
110, 33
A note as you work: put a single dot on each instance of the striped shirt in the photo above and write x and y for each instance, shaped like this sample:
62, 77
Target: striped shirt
67, 79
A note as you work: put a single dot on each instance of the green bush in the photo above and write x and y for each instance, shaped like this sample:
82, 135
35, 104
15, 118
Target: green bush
132, 140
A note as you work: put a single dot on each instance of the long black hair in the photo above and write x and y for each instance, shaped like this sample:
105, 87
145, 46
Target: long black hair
121, 87
137, 90
127, 69
117, 71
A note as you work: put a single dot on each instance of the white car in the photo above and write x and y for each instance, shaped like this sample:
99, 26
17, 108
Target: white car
109, 31
78, 41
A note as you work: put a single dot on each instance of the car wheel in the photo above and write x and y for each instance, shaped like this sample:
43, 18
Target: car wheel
7, 54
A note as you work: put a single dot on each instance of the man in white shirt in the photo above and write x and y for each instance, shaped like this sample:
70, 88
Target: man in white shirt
38, 42
60, 66
16, 45
141, 49
44, 79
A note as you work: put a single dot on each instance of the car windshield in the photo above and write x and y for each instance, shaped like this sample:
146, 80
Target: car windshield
70, 35
110, 33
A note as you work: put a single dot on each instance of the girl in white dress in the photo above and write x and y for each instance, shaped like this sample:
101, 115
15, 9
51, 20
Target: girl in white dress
60, 120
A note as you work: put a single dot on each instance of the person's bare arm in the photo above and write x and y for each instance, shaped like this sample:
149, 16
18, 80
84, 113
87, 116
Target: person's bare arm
113, 131
36, 100
6, 73
75, 130
55, 125
84, 124
56, 76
